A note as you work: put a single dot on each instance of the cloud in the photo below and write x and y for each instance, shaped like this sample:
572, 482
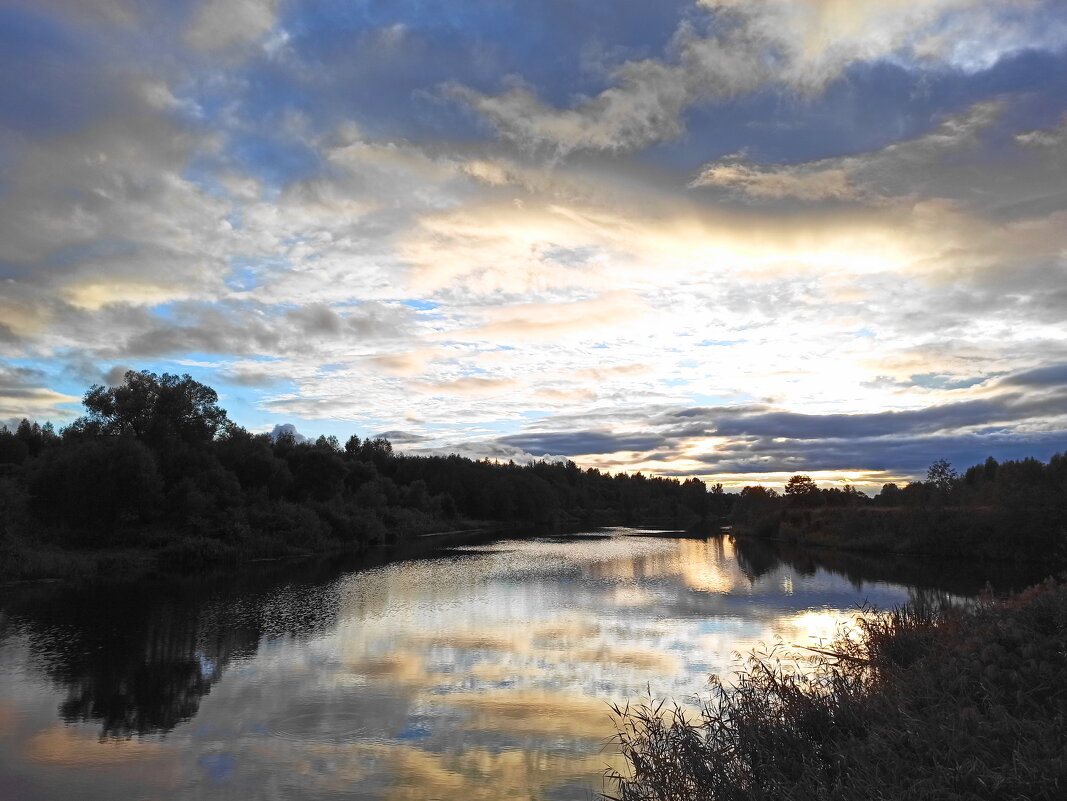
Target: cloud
116, 375
759, 182
946, 417
800, 45
576, 443
757, 438
615, 371
468, 386
23, 394
1045, 137
537, 321
237, 329
485, 449
907, 459
646, 106
1052, 376
106, 216
402, 437
244, 376
221, 24
403, 364
287, 429
115, 12
898, 169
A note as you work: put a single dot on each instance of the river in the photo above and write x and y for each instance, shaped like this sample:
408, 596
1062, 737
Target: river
480, 672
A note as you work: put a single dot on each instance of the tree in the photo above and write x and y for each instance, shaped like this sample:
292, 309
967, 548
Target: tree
802, 491
890, 495
695, 496
154, 408
942, 475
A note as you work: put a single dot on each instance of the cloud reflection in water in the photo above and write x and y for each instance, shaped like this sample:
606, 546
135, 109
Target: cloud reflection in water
481, 674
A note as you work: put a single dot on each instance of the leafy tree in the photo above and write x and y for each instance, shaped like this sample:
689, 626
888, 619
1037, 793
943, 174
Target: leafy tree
802, 491
695, 495
942, 475
154, 408
889, 496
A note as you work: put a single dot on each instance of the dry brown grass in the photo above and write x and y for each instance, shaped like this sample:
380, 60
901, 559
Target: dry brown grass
927, 703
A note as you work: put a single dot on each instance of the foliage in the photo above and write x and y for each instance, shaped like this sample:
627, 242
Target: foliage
802, 491
1011, 510
942, 475
154, 409
926, 703
156, 464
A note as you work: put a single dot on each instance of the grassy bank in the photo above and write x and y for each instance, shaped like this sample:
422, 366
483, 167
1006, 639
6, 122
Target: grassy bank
922, 704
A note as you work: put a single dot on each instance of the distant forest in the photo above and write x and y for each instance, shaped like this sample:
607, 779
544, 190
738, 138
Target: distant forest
156, 465
1015, 510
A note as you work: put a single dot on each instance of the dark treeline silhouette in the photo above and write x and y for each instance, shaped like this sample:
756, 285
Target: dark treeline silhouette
999, 510
155, 464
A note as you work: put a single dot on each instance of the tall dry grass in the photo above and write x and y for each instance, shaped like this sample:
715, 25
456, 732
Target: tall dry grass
926, 702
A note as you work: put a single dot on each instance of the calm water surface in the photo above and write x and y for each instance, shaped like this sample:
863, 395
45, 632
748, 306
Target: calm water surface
482, 673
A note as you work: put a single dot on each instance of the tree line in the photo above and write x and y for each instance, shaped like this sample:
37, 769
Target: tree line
1015, 509
156, 462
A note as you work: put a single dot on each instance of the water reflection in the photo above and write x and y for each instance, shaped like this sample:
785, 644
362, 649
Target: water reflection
481, 673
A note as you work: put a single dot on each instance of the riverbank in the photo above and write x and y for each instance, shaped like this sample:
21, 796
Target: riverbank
169, 552
146, 548
968, 532
926, 703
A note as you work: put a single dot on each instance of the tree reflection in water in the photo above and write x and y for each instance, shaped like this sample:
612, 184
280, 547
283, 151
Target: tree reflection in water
759, 557
139, 657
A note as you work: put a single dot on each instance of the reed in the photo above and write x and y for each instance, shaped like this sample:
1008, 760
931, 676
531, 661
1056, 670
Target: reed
929, 701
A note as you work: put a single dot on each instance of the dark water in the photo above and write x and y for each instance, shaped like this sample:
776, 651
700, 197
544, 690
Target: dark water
482, 673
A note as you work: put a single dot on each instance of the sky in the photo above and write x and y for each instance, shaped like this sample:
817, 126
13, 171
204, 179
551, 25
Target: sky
731, 239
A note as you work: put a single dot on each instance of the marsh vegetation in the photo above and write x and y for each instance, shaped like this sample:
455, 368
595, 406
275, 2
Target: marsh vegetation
926, 702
